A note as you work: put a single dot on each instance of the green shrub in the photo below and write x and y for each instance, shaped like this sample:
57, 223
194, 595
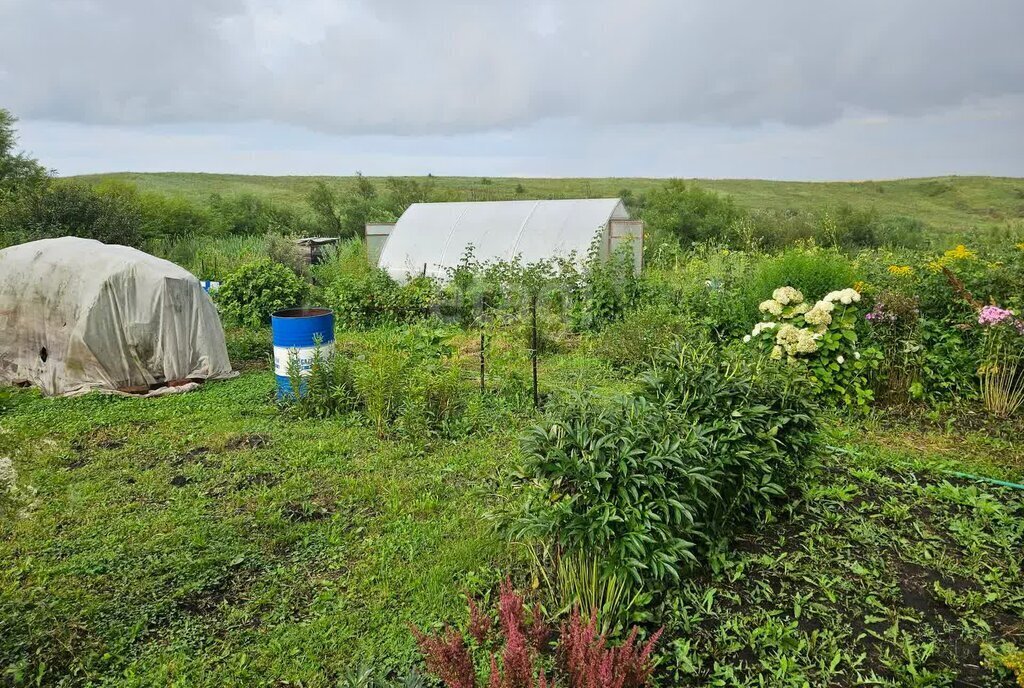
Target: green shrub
811, 270
109, 213
949, 363
688, 213
364, 296
633, 341
250, 295
436, 400
248, 345
651, 482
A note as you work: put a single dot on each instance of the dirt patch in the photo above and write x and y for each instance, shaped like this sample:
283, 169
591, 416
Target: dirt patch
180, 480
316, 509
242, 442
257, 480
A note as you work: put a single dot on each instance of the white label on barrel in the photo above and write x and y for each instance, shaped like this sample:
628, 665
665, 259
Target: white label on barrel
304, 354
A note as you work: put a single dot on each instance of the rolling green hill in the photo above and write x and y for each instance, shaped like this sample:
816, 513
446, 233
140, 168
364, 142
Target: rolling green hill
946, 204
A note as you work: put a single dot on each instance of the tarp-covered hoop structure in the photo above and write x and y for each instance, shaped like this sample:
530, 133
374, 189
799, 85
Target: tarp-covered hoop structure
79, 315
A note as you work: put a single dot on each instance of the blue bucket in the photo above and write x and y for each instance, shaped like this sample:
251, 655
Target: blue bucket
295, 333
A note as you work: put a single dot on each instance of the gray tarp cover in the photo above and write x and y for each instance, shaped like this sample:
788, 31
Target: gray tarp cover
77, 314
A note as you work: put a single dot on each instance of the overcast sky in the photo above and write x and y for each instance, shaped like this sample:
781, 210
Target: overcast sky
792, 89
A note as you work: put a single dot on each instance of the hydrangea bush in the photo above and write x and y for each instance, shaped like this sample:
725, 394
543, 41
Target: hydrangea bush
821, 337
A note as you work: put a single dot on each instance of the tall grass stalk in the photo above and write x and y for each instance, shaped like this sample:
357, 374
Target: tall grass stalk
578, 580
1002, 375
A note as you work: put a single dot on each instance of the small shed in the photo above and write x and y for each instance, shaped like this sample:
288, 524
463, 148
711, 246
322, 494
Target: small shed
312, 248
431, 237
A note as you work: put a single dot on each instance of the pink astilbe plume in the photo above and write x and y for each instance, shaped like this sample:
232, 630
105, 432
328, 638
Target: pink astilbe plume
517, 660
589, 663
447, 657
479, 622
510, 608
539, 631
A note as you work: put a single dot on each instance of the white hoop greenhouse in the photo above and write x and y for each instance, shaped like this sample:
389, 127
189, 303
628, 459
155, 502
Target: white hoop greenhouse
431, 237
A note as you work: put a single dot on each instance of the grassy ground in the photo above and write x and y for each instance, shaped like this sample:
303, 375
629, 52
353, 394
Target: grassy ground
204, 539
947, 204
207, 539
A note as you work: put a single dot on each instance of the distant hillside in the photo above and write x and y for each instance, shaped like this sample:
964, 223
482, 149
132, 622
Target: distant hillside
946, 204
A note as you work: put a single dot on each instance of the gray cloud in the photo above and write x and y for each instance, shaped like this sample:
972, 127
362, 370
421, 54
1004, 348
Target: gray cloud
454, 66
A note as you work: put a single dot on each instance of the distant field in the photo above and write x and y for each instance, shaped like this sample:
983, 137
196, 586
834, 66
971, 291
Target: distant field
946, 204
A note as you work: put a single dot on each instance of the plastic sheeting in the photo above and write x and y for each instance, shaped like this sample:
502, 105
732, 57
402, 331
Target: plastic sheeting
78, 315
435, 236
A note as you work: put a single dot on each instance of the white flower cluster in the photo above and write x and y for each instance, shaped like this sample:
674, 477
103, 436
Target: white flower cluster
821, 315
787, 295
782, 297
796, 340
843, 296
771, 306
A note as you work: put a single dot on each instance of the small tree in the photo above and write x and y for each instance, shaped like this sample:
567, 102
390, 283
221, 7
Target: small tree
18, 171
324, 203
689, 213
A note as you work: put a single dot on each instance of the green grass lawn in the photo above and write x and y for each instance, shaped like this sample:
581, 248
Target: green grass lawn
951, 205
204, 539
208, 539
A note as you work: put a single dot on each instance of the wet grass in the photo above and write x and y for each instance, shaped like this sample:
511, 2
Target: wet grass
210, 539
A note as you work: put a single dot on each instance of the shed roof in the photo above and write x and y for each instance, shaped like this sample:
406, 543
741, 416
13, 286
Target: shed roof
437, 235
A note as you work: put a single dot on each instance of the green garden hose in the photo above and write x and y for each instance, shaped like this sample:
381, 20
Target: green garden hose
968, 476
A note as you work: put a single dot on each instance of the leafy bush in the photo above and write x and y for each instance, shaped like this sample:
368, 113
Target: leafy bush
894, 326
688, 213
109, 213
949, 363
639, 336
650, 482
248, 345
249, 215
603, 292
400, 384
811, 270
250, 295
364, 296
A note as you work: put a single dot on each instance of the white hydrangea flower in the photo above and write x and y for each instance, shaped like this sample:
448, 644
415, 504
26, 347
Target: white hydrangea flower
776, 352
746, 338
771, 306
787, 295
843, 296
761, 327
819, 316
840, 359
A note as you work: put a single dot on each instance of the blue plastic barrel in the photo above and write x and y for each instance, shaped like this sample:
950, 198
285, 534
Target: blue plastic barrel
296, 331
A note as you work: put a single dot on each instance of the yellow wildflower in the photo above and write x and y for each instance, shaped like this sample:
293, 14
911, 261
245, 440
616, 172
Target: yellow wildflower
960, 252
901, 270
1020, 245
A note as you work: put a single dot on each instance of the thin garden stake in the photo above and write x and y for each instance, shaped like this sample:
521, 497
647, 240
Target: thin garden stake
533, 311
480, 319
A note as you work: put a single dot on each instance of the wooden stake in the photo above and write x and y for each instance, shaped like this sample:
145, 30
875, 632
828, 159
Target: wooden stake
536, 395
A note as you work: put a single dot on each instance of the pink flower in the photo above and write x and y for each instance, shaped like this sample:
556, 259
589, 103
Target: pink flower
993, 315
